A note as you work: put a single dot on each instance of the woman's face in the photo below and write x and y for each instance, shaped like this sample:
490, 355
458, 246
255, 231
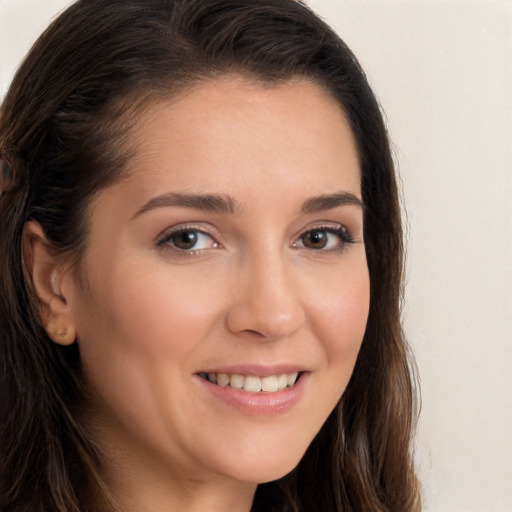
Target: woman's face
231, 257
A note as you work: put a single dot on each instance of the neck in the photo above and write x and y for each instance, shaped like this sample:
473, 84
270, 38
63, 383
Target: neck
185, 496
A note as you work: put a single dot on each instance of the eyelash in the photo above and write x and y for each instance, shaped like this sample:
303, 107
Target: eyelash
164, 241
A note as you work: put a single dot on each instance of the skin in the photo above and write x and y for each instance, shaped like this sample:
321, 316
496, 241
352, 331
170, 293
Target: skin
150, 316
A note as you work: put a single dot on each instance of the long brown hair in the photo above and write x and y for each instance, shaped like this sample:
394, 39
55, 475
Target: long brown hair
64, 133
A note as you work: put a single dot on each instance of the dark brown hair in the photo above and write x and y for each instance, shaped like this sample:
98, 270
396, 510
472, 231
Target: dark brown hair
64, 130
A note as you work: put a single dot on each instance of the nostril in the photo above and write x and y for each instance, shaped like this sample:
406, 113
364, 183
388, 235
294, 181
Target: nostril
253, 333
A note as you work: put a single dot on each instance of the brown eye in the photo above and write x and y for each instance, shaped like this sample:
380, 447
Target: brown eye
185, 240
325, 239
315, 239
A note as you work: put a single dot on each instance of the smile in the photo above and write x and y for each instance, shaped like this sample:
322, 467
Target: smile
253, 383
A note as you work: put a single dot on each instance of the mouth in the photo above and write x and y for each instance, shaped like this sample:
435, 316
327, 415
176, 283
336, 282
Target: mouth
253, 383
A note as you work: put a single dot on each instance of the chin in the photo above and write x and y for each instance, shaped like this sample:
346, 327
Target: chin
266, 467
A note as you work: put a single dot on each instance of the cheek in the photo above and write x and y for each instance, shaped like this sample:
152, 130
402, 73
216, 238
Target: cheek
340, 317
155, 310
141, 331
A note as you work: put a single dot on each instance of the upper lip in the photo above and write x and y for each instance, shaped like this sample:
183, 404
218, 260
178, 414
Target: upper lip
256, 369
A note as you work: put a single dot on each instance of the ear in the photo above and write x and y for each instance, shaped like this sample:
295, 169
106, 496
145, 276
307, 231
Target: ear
46, 278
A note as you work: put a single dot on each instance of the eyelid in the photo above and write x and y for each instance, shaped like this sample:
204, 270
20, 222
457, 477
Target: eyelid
327, 225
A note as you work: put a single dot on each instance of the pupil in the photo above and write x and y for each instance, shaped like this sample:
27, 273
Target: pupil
315, 240
185, 239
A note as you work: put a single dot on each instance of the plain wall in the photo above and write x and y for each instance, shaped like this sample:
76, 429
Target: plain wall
443, 73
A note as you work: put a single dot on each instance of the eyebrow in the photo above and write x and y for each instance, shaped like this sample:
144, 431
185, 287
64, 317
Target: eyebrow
215, 203
206, 202
330, 201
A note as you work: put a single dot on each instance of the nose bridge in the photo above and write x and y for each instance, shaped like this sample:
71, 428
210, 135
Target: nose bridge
267, 299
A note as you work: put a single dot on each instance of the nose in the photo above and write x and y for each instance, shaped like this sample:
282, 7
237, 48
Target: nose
267, 302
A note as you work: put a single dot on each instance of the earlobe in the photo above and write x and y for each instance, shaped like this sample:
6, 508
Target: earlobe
42, 269
60, 329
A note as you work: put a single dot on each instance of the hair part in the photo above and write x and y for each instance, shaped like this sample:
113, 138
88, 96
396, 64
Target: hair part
65, 129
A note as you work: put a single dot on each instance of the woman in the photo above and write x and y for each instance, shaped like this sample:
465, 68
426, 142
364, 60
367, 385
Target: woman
201, 267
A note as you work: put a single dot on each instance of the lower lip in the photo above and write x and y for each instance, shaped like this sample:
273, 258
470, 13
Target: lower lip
258, 404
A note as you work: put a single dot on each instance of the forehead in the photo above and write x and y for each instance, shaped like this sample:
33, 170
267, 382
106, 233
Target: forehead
235, 127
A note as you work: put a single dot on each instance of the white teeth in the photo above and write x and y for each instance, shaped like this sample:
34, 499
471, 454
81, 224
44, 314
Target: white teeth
252, 383
282, 381
269, 383
236, 381
291, 378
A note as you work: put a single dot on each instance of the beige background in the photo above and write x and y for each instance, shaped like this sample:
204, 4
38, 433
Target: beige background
443, 72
